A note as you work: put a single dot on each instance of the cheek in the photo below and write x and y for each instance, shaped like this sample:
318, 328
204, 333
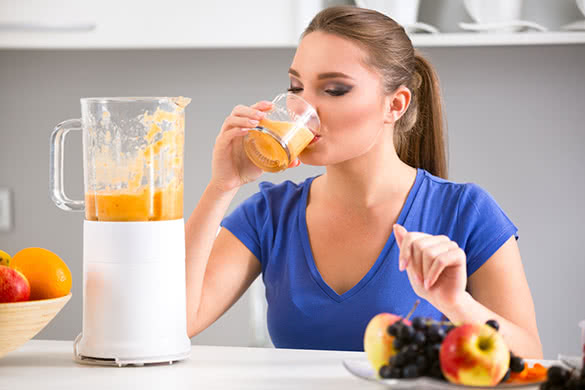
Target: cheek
357, 121
350, 127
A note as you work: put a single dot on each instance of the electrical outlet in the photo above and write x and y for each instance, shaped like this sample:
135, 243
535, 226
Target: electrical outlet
5, 210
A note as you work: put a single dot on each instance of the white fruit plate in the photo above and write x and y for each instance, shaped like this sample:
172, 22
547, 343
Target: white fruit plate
570, 362
362, 369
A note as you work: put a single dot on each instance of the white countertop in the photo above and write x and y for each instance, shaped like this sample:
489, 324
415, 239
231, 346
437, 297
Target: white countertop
46, 364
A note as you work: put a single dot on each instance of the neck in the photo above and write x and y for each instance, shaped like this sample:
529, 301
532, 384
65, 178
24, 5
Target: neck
370, 180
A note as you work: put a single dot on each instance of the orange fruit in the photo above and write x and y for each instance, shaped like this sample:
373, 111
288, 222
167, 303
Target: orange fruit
48, 275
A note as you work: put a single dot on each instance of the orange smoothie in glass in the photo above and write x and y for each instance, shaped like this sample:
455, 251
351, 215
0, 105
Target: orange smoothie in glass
275, 151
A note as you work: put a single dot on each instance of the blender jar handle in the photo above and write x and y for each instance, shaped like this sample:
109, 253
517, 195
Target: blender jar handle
56, 188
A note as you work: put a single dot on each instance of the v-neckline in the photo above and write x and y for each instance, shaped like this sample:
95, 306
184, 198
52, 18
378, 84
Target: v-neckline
306, 243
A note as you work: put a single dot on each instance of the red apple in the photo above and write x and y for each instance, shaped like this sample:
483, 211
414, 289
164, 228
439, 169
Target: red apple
377, 341
474, 355
14, 286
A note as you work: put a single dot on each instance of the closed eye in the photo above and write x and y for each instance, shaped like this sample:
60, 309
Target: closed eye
338, 91
295, 89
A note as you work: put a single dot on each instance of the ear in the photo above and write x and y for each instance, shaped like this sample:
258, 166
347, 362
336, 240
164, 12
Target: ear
396, 104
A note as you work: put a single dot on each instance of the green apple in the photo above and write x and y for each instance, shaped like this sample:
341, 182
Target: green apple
474, 355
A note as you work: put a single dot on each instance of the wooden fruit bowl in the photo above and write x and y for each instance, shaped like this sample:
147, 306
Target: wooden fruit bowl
21, 321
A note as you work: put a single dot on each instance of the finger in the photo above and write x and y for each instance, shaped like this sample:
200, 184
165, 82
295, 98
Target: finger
450, 258
413, 277
429, 248
238, 121
248, 112
399, 233
224, 138
418, 249
406, 249
263, 105
430, 255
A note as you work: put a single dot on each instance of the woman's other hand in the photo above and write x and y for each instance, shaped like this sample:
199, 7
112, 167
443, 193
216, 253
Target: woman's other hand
435, 265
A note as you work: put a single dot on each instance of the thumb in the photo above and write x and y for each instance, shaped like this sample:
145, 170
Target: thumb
399, 233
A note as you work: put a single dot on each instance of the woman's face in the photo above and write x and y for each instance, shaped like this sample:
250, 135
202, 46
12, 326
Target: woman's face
329, 72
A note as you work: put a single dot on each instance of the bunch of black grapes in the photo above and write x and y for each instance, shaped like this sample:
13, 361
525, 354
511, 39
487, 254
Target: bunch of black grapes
418, 346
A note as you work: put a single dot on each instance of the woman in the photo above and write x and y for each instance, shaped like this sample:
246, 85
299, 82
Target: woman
381, 228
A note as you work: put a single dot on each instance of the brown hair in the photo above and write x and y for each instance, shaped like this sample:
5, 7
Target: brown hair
418, 134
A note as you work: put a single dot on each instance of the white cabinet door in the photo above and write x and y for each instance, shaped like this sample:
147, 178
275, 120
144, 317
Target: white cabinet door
150, 24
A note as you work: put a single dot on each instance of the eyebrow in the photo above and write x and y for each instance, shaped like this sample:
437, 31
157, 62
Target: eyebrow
328, 75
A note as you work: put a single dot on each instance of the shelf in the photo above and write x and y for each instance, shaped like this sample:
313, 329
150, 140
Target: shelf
84, 40
196, 39
497, 39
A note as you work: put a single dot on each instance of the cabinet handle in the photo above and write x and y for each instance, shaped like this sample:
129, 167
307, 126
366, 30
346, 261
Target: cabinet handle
47, 27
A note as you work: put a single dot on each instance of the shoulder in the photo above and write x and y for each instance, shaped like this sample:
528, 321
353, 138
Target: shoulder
440, 190
465, 202
284, 189
463, 193
277, 198
278, 193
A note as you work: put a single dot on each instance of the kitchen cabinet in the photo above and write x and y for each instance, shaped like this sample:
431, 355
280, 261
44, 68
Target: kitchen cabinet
133, 24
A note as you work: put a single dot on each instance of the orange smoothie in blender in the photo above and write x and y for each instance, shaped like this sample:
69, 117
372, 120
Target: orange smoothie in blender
267, 151
146, 184
163, 204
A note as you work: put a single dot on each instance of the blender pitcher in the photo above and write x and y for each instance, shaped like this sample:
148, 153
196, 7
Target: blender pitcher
134, 294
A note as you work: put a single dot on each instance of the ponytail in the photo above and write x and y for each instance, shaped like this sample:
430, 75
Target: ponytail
419, 134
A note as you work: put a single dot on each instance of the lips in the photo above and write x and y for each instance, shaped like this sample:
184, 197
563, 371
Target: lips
315, 139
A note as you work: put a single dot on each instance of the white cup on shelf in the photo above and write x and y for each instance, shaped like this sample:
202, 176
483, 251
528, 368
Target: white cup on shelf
581, 6
497, 16
404, 12
493, 11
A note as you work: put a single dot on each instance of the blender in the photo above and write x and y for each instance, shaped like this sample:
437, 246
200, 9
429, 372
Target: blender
134, 293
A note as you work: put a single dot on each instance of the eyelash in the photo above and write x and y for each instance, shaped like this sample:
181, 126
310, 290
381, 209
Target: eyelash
332, 92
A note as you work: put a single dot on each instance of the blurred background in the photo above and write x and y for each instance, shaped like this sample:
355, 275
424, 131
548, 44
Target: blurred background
513, 104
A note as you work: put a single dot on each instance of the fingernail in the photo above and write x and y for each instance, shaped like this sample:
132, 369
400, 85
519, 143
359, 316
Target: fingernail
260, 114
253, 122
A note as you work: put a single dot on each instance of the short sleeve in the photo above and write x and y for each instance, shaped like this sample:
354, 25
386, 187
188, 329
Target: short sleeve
483, 227
246, 222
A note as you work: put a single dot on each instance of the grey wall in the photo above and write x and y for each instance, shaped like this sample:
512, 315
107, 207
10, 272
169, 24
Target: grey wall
516, 127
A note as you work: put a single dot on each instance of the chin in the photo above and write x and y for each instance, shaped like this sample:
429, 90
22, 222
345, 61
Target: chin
310, 156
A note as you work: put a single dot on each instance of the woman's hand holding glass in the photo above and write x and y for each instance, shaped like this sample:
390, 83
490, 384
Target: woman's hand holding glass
230, 166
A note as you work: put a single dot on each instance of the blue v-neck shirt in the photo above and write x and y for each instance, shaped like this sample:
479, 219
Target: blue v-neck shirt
303, 311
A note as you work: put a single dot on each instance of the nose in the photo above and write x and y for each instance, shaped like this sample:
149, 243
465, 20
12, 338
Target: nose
313, 122
313, 101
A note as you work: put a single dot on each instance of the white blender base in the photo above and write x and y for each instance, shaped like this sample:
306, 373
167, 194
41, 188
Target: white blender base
120, 362
134, 294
